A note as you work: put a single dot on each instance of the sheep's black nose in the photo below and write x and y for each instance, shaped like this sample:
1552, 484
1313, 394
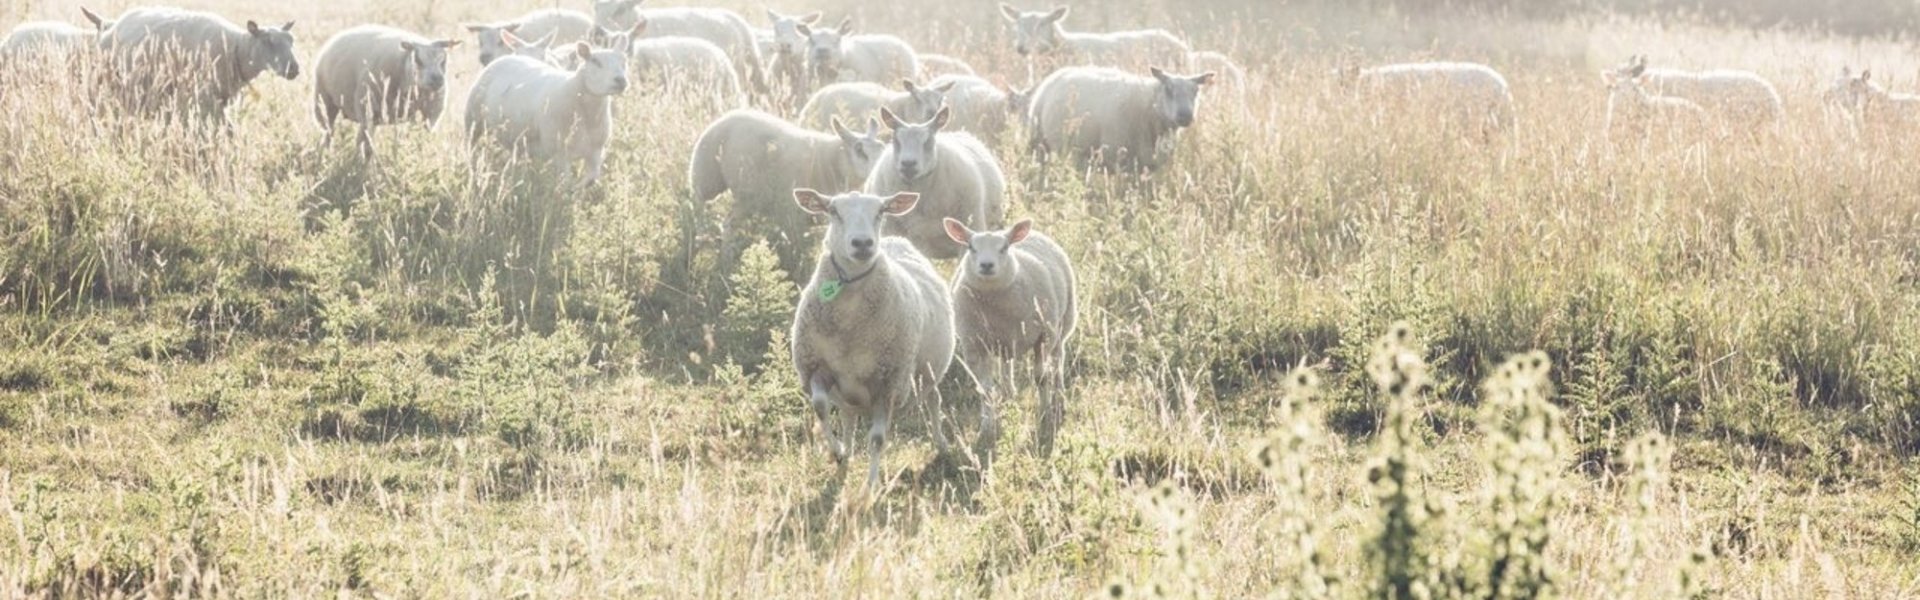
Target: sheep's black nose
909, 166
862, 243
986, 268
1021, 50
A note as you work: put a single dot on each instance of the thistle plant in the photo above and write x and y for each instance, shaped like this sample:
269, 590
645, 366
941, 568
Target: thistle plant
1285, 457
1526, 446
1177, 575
1398, 554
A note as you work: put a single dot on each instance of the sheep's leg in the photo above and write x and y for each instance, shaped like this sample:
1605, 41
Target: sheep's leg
595, 160
989, 413
1051, 384
821, 386
877, 442
936, 416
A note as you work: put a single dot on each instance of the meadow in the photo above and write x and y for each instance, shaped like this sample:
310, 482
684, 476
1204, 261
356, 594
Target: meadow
249, 366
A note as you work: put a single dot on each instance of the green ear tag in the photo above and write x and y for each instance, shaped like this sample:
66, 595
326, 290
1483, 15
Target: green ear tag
829, 291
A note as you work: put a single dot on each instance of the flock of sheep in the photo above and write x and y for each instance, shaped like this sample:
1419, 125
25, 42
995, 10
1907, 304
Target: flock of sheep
876, 326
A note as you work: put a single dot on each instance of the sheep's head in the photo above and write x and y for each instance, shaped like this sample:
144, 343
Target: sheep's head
1034, 32
916, 146
274, 49
924, 101
428, 62
823, 47
1019, 99
861, 148
621, 40
616, 14
787, 38
495, 41
604, 70
989, 261
1179, 96
540, 49
853, 221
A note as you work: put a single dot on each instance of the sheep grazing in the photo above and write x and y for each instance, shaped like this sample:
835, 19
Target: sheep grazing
1040, 34
374, 75
683, 66
836, 55
1013, 298
548, 113
39, 38
1123, 120
1629, 103
857, 101
1869, 107
1467, 95
955, 174
761, 158
874, 326
725, 28
1739, 99
559, 25
178, 62
934, 66
979, 107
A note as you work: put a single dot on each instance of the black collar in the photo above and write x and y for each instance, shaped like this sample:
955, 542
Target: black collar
842, 273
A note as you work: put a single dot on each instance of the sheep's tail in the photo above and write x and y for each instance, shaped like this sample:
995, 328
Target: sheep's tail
705, 177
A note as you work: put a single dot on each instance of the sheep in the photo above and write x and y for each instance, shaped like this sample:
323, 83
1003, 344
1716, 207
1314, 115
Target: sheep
375, 75
1040, 34
1870, 107
1467, 95
761, 158
54, 37
560, 25
953, 171
684, 65
1629, 102
1739, 99
836, 55
1013, 297
193, 62
541, 49
785, 49
551, 114
725, 28
1126, 121
874, 326
934, 66
979, 107
860, 100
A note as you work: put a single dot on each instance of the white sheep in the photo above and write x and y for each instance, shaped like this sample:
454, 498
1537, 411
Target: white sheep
375, 75
188, 62
1630, 104
836, 55
1013, 298
934, 66
684, 66
1469, 95
953, 172
725, 28
979, 107
873, 328
857, 101
761, 158
36, 38
785, 49
548, 113
1737, 99
1041, 34
1869, 107
557, 24
1123, 120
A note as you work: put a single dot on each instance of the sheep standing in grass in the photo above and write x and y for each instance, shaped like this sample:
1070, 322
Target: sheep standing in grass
725, 28
874, 326
1738, 99
1041, 34
786, 54
1871, 108
36, 38
683, 66
1013, 298
762, 158
555, 24
1468, 95
955, 175
836, 55
180, 62
856, 101
1122, 120
550, 114
979, 107
1629, 104
934, 66
374, 75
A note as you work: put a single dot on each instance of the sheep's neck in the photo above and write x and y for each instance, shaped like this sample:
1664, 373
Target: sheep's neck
585, 105
243, 51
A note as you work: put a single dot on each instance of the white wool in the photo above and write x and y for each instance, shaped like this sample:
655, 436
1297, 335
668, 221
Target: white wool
178, 62
1465, 94
1128, 121
979, 107
955, 175
724, 28
1013, 299
762, 158
1042, 34
548, 113
375, 75
857, 101
684, 67
836, 55
934, 66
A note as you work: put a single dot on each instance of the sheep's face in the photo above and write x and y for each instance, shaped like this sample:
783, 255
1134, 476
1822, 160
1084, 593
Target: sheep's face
616, 14
862, 148
823, 48
1018, 100
916, 146
853, 221
787, 38
1035, 32
428, 62
493, 41
273, 49
604, 70
989, 260
923, 102
1179, 96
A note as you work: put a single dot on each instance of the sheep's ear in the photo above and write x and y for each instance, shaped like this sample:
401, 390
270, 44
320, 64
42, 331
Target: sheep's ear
583, 49
1866, 74
1019, 231
408, 47
1057, 14
804, 30
957, 231
908, 85
841, 130
946, 88
447, 43
253, 28
900, 204
511, 40
810, 201
892, 120
97, 21
476, 28
1634, 73
287, 27
639, 28
510, 27
772, 16
1204, 78
846, 25
1158, 74
873, 127
810, 18
941, 118
1008, 11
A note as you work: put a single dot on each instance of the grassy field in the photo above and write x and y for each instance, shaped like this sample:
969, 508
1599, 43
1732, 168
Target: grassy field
252, 367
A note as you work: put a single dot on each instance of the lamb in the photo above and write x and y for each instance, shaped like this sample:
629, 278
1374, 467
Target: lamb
953, 171
874, 326
1871, 107
836, 55
180, 62
374, 75
551, 114
860, 100
933, 66
1040, 34
38, 38
1125, 121
786, 51
761, 158
1461, 94
558, 24
1737, 98
978, 106
1628, 102
1013, 298
725, 28
685, 66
